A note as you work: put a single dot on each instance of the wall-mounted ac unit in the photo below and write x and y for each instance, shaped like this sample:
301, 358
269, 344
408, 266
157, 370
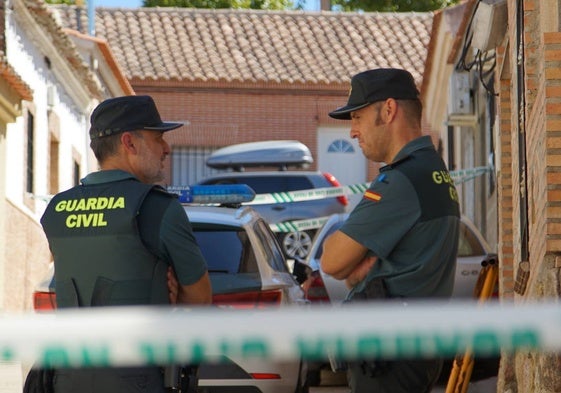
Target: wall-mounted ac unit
489, 24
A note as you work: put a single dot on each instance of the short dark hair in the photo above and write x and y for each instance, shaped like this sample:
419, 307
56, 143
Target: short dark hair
413, 109
105, 147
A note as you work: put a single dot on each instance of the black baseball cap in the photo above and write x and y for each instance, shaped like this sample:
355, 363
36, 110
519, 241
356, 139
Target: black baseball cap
377, 85
127, 113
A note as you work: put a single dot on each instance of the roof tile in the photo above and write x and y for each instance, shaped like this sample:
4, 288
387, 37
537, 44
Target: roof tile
184, 44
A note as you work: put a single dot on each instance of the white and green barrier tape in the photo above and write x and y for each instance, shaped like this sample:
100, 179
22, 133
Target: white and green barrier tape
144, 336
459, 176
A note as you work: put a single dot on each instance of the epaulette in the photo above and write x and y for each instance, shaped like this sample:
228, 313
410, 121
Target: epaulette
163, 191
394, 164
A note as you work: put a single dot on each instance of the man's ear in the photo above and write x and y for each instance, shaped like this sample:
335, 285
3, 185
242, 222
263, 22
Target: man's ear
390, 110
127, 141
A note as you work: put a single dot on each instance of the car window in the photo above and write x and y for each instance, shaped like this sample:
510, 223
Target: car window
235, 254
269, 184
264, 184
275, 257
468, 244
296, 183
230, 259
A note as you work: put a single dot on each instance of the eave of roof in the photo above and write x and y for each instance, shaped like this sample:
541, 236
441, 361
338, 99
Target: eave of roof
44, 18
462, 30
8, 74
109, 58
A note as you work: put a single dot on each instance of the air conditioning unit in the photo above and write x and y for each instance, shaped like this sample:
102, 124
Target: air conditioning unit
489, 24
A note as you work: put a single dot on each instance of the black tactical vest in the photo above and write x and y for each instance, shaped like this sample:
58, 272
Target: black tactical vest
99, 256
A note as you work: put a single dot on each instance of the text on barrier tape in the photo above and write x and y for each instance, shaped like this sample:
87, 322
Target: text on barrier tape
320, 193
330, 192
115, 336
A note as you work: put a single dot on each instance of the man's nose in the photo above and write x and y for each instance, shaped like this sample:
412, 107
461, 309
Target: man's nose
167, 149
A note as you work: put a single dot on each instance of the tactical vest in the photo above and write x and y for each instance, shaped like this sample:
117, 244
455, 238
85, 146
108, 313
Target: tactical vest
100, 259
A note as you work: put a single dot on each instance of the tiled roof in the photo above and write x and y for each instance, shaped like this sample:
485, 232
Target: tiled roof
11, 77
249, 46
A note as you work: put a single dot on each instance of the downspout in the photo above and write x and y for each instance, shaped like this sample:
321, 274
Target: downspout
91, 17
523, 271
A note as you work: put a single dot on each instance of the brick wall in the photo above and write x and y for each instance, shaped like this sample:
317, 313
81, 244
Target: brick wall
221, 115
552, 143
541, 132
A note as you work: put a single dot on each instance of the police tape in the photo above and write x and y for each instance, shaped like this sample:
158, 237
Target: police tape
459, 176
116, 336
298, 225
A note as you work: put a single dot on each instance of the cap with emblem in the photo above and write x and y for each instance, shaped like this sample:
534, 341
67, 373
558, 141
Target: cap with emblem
377, 85
127, 113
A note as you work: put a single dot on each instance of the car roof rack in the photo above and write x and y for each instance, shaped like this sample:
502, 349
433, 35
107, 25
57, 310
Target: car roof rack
280, 154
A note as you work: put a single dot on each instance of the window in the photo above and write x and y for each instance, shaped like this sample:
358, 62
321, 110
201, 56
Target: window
232, 266
188, 164
29, 172
53, 166
340, 146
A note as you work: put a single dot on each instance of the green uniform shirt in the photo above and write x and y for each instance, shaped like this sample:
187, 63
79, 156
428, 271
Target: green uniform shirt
165, 229
409, 219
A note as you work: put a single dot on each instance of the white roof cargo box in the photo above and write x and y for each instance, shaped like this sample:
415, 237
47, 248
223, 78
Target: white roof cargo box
281, 154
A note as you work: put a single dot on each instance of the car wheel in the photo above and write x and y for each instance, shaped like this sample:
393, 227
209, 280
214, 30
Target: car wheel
296, 244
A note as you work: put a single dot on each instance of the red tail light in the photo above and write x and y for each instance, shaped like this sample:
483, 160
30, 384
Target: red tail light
265, 376
343, 200
44, 301
244, 300
314, 288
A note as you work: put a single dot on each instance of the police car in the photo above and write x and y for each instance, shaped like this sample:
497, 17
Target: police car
248, 270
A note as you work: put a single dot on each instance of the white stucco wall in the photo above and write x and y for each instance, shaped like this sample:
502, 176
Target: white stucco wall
24, 55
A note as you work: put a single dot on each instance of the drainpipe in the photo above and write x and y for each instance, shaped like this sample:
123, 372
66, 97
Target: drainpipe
523, 271
91, 17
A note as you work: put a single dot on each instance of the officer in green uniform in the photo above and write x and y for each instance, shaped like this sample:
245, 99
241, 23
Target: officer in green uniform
118, 238
401, 240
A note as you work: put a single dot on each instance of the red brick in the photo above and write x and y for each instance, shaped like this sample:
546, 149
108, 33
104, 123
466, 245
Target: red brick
552, 38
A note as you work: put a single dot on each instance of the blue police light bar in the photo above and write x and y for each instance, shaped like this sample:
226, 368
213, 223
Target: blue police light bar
223, 193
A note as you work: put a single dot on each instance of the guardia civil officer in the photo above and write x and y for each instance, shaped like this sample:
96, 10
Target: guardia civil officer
401, 239
114, 236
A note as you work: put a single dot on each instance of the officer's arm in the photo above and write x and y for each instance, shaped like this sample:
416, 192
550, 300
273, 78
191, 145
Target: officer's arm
198, 293
341, 255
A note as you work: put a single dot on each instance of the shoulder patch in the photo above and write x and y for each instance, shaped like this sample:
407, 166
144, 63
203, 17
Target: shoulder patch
373, 196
